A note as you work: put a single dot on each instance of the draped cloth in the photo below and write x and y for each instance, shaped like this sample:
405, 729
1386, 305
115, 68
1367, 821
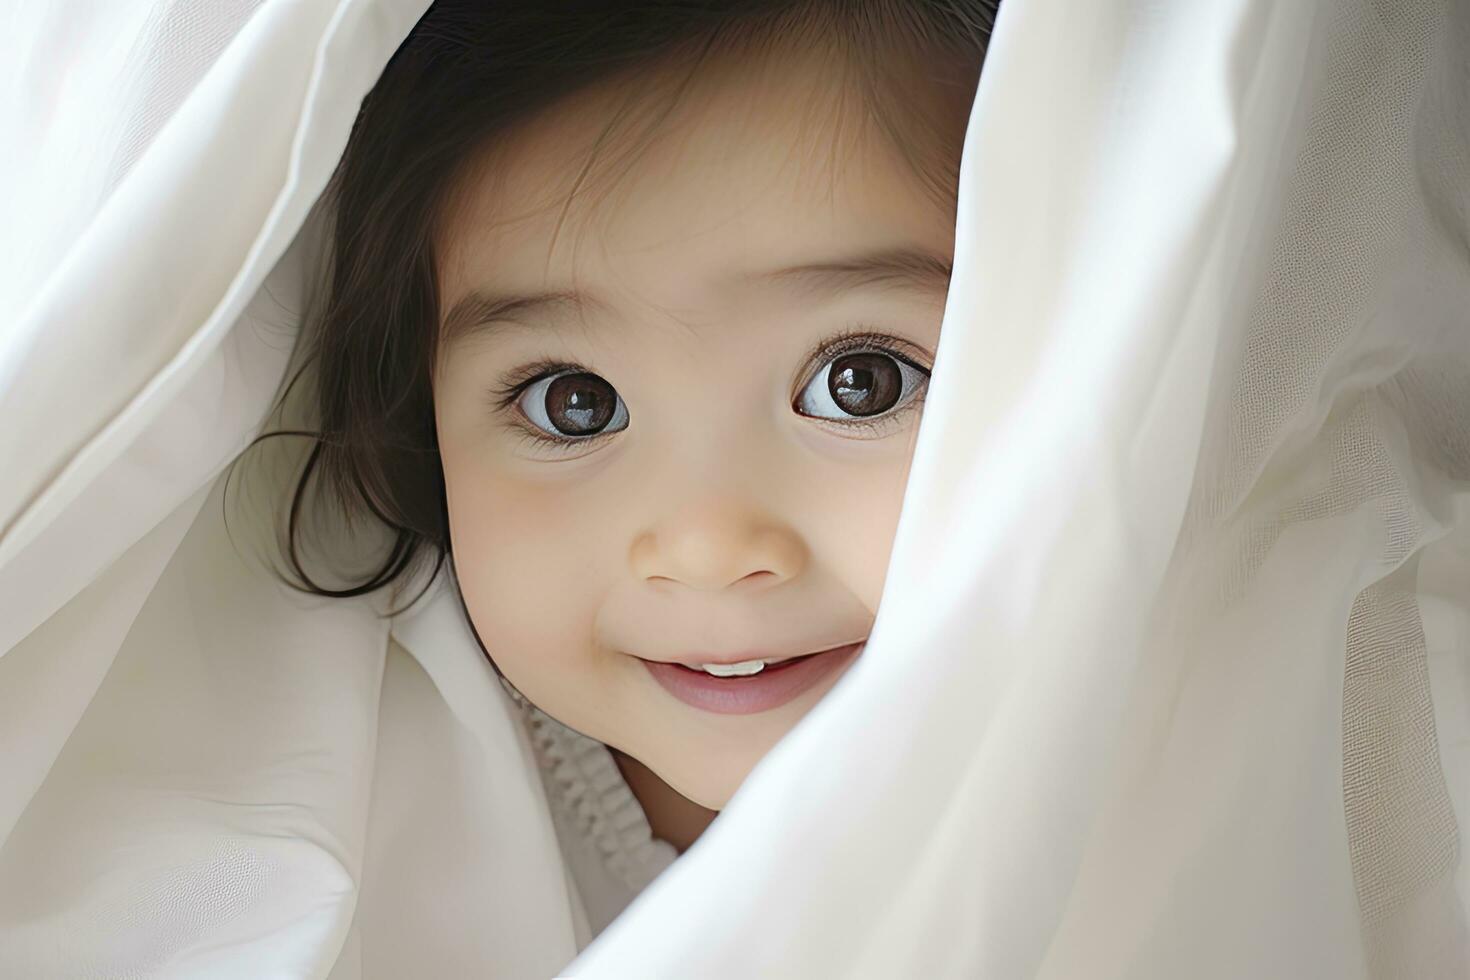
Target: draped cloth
1171, 675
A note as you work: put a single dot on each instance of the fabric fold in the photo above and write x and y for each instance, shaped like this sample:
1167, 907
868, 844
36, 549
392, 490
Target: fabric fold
1172, 671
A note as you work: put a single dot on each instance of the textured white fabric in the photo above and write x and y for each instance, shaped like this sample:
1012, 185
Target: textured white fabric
605, 837
1170, 677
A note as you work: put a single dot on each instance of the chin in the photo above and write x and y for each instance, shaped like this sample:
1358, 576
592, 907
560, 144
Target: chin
712, 780
710, 790
714, 801
710, 775
708, 794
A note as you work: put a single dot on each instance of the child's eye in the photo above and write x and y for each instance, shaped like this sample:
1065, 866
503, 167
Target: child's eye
573, 406
861, 386
866, 381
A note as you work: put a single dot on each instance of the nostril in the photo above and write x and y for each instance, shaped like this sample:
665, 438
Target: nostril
755, 578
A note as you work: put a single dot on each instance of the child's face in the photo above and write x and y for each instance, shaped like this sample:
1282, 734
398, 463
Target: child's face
735, 503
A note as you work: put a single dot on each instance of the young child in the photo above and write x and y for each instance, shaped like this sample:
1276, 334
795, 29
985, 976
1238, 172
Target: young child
630, 318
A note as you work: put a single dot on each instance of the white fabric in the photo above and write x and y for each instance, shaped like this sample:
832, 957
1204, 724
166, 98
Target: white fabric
1170, 677
605, 836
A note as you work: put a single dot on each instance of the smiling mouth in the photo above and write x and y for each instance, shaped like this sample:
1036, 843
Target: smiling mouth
766, 666
768, 687
752, 662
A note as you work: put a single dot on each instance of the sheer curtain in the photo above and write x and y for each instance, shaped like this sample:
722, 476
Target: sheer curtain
1172, 674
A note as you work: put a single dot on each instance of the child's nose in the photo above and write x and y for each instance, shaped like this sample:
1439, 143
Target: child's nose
719, 544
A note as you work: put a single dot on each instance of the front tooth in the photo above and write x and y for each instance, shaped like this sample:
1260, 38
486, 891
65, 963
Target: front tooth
744, 669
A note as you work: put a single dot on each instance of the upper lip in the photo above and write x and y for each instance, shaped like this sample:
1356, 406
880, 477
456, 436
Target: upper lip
700, 659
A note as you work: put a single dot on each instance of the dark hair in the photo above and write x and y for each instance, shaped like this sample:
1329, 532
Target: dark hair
472, 70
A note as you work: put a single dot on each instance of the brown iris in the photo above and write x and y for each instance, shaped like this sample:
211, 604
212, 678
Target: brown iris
865, 384
580, 404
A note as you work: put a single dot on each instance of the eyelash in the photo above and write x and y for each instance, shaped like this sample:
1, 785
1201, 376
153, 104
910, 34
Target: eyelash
829, 348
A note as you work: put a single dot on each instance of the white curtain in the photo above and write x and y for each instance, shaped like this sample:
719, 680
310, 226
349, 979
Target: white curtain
1172, 672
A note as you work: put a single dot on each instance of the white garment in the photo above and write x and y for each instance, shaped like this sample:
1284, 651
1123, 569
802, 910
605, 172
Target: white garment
1170, 673
604, 833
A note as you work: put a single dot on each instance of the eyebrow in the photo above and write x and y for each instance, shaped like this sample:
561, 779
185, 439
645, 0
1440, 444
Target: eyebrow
911, 268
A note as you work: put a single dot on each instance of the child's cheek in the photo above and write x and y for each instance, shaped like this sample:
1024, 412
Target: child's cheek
533, 572
850, 525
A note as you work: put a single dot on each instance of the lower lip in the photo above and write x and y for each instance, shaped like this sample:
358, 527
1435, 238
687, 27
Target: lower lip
771, 688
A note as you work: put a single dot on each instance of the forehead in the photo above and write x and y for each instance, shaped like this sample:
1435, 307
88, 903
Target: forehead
754, 168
